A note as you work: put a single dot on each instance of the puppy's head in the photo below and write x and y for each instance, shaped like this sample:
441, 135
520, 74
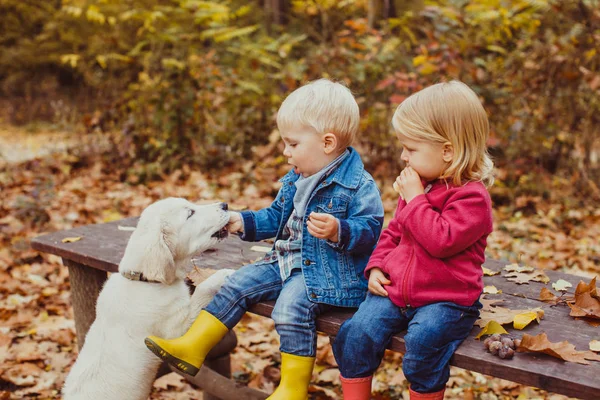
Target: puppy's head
169, 232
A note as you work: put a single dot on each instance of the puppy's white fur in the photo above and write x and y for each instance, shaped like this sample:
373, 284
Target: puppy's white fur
114, 362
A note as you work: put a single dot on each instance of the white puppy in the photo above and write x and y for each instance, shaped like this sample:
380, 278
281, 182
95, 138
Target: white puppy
147, 297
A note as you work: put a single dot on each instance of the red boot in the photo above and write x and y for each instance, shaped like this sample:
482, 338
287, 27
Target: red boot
356, 388
426, 396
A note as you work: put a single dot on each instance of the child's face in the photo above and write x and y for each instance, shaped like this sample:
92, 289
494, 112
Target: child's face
428, 159
305, 149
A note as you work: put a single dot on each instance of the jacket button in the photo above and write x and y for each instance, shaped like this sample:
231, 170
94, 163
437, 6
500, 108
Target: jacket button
307, 262
313, 296
329, 205
281, 253
291, 183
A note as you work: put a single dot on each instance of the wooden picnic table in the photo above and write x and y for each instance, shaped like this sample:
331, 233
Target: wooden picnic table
102, 246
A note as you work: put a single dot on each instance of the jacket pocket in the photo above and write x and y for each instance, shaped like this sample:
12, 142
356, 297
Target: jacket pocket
336, 205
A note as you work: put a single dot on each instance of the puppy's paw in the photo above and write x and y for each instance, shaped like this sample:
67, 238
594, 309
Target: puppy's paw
216, 280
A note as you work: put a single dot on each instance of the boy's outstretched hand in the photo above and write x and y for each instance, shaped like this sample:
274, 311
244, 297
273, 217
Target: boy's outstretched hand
235, 223
376, 281
323, 226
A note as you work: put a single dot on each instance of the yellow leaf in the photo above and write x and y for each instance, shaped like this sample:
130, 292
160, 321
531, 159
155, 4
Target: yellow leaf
419, 60
489, 272
595, 345
496, 49
491, 328
522, 320
561, 285
428, 68
101, 60
70, 59
71, 239
491, 289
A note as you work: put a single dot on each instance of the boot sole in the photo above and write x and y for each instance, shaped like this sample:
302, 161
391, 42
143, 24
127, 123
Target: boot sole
181, 365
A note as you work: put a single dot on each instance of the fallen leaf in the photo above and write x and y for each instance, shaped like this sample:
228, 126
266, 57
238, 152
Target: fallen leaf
524, 277
491, 289
518, 268
522, 320
563, 350
489, 272
71, 239
547, 296
491, 328
503, 315
169, 380
587, 302
595, 345
126, 228
561, 285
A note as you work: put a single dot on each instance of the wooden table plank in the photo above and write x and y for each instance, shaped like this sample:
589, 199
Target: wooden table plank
103, 245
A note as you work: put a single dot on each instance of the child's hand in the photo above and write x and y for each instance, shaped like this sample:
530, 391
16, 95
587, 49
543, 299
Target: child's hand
323, 226
235, 223
408, 184
376, 281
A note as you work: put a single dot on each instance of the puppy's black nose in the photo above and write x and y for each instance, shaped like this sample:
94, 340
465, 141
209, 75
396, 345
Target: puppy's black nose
224, 206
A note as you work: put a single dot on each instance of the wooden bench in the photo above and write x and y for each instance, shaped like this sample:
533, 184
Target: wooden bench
102, 246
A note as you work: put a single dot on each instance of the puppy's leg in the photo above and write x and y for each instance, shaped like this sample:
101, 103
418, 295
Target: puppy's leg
206, 290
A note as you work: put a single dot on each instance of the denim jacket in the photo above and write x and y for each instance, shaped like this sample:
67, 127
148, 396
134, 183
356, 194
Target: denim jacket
333, 272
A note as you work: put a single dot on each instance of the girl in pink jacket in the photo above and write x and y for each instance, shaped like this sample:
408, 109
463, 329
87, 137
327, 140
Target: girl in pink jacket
425, 274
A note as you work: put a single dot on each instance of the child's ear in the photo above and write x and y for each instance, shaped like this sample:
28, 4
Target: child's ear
330, 143
448, 152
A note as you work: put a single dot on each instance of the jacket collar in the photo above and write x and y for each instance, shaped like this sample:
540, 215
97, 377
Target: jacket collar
347, 174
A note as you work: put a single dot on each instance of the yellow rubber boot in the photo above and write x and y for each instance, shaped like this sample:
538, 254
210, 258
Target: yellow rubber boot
296, 372
187, 352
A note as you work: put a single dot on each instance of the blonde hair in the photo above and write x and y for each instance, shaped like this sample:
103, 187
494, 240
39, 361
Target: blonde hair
450, 112
325, 106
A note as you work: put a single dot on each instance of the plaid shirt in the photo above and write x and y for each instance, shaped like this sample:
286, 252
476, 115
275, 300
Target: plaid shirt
287, 251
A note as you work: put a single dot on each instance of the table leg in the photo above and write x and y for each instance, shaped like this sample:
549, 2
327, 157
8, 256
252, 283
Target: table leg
86, 284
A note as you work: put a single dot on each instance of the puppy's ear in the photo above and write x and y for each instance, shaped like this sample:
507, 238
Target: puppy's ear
149, 252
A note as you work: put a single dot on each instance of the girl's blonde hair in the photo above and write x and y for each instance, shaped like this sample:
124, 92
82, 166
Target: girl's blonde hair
325, 106
450, 112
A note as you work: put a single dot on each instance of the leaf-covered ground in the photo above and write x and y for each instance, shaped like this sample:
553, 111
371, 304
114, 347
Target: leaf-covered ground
67, 189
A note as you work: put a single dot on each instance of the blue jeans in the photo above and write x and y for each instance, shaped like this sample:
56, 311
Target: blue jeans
294, 314
433, 333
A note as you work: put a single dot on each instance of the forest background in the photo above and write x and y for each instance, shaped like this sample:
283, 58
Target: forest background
109, 105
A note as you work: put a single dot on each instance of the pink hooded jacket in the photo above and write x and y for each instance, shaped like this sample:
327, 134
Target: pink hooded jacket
434, 247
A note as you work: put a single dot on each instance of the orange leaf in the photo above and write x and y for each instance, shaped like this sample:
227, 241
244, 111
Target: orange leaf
563, 350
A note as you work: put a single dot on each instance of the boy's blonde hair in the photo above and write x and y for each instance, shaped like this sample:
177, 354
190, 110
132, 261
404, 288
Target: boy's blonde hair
450, 112
326, 106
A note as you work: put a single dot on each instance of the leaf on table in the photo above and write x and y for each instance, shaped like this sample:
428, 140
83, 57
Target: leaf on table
563, 350
489, 303
489, 272
561, 285
587, 301
126, 228
71, 239
491, 289
595, 345
504, 316
548, 297
524, 277
522, 320
518, 268
491, 328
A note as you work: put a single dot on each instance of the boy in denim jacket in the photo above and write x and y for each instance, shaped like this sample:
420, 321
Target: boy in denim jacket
326, 220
